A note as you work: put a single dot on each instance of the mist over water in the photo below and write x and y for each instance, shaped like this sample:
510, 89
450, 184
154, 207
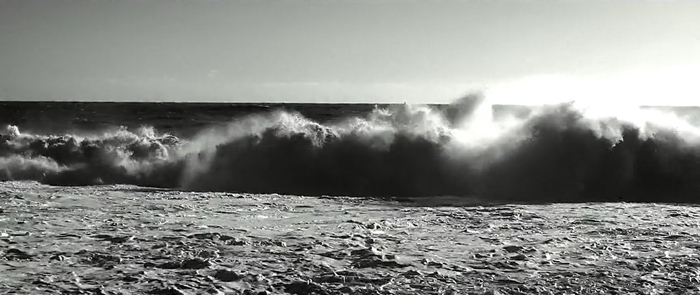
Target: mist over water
563, 152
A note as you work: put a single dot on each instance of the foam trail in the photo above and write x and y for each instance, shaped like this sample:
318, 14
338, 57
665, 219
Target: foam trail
563, 152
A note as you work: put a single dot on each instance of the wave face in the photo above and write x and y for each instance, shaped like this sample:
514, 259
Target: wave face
558, 153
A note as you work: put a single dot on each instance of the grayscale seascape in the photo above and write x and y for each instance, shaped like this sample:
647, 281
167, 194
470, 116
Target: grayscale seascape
105, 202
376, 147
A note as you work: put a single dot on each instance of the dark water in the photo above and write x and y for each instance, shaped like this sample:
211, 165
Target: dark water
556, 153
180, 119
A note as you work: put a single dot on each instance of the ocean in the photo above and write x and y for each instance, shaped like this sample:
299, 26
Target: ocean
469, 149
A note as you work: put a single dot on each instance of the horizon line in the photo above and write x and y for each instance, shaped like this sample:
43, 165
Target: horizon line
319, 103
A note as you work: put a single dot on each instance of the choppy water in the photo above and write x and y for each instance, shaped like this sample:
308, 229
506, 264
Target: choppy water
556, 153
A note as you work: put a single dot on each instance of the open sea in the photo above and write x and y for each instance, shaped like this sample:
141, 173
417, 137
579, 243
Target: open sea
557, 153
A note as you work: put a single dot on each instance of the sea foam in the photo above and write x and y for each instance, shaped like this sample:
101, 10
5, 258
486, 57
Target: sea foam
564, 152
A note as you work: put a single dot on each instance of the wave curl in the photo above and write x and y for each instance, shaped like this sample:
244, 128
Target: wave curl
563, 153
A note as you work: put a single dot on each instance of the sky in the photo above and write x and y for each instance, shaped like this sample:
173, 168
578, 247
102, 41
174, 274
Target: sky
349, 51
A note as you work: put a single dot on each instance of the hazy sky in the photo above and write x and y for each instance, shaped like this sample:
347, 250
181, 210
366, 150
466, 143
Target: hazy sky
420, 51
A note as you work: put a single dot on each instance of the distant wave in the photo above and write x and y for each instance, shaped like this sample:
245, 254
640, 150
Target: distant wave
559, 153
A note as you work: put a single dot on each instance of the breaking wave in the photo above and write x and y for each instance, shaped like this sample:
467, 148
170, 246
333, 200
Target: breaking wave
559, 153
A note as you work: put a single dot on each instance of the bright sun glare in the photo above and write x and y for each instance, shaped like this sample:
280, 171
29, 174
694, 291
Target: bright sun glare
670, 87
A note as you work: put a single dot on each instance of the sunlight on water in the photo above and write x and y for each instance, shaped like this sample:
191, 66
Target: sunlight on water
570, 149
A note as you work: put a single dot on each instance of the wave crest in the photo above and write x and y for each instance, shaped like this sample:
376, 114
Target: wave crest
556, 153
